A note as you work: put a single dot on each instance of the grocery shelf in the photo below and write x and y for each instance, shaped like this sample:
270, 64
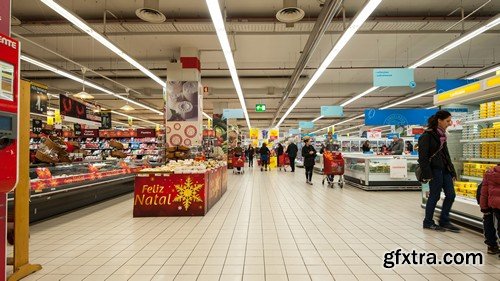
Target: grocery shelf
481, 140
483, 120
472, 178
486, 160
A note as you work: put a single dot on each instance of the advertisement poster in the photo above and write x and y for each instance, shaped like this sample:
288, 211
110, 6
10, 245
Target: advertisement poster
183, 133
106, 119
183, 101
77, 129
73, 108
220, 129
374, 134
37, 126
254, 133
233, 133
274, 134
7, 79
398, 117
265, 134
38, 98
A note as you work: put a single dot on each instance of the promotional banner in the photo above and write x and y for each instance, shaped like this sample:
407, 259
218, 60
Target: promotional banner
306, 125
90, 133
77, 129
398, 168
220, 129
400, 117
393, 77
146, 133
232, 113
38, 98
274, 134
444, 85
265, 134
254, 133
106, 121
233, 133
374, 134
332, 111
37, 126
75, 109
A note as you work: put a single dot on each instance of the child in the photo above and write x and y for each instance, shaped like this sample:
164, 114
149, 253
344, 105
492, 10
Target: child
490, 206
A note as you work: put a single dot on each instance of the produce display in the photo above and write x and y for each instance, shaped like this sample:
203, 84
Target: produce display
476, 169
178, 152
466, 189
188, 166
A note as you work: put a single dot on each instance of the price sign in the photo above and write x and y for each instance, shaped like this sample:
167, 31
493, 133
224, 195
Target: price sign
78, 130
37, 126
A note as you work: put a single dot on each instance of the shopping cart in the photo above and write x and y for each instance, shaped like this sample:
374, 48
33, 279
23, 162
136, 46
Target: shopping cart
333, 166
238, 164
283, 162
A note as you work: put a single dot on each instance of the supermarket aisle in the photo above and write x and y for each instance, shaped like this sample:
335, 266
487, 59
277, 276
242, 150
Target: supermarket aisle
268, 226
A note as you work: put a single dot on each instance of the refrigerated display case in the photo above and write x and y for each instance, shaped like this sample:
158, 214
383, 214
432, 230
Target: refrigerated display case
59, 188
373, 172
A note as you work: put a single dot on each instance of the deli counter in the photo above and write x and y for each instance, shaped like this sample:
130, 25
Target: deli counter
381, 172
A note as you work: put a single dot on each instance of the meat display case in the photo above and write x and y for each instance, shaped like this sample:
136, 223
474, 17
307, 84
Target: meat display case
59, 188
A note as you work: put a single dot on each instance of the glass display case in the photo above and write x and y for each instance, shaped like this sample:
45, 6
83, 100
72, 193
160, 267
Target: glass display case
373, 172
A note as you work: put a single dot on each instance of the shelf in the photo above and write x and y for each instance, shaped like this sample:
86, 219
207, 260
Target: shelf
486, 160
481, 140
483, 120
472, 178
96, 148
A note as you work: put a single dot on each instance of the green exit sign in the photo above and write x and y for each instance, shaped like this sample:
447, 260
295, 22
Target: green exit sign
260, 107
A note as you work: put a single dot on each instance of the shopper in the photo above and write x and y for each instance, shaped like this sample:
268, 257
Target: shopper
264, 157
409, 146
366, 146
292, 150
397, 146
250, 153
490, 207
309, 155
329, 145
438, 170
489, 231
279, 152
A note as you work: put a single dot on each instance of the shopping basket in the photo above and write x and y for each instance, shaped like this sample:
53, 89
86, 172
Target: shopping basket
283, 162
238, 164
333, 165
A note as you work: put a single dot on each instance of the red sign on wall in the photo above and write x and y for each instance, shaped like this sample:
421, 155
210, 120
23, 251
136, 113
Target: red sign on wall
90, 133
146, 133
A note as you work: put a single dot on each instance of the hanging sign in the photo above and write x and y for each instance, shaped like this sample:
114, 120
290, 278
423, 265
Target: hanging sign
254, 133
106, 119
38, 98
274, 134
260, 107
294, 131
130, 121
232, 113
399, 117
332, 111
306, 125
374, 134
37, 126
393, 77
77, 129
90, 133
444, 85
146, 133
74, 109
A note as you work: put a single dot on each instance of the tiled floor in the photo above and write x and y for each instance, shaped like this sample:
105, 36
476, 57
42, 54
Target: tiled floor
268, 226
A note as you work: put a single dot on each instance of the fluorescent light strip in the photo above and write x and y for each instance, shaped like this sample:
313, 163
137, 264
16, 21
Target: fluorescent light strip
339, 45
220, 29
462, 39
379, 127
80, 23
86, 82
483, 73
341, 122
136, 118
206, 115
360, 95
431, 107
409, 99
317, 118
350, 128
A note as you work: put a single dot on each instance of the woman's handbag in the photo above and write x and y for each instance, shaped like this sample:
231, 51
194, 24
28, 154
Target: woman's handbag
418, 169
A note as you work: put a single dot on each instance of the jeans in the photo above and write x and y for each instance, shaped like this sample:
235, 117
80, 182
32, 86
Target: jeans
441, 180
490, 233
250, 161
309, 172
292, 163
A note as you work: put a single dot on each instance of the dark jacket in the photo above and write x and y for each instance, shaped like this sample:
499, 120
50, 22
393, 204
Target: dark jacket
308, 158
428, 144
250, 152
397, 147
279, 151
292, 150
264, 151
366, 147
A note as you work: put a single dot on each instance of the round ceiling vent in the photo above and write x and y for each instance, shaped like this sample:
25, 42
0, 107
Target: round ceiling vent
290, 14
150, 15
14, 21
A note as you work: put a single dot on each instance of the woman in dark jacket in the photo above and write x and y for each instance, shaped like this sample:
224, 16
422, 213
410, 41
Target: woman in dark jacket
437, 169
279, 152
264, 156
309, 155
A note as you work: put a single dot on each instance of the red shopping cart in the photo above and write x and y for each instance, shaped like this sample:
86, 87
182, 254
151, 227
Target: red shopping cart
283, 161
333, 165
238, 164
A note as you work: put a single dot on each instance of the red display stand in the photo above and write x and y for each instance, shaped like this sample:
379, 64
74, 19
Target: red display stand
166, 194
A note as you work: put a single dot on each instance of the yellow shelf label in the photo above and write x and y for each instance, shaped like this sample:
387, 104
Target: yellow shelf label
492, 82
462, 91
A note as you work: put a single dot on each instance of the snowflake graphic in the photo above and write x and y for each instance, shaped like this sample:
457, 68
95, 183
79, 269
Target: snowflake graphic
187, 193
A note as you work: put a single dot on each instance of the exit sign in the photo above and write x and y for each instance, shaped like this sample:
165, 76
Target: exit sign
260, 107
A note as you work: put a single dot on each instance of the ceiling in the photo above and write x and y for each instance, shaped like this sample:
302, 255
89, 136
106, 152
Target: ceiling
266, 52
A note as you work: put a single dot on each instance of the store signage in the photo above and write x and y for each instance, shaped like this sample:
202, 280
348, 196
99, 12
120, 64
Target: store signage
254, 133
374, 134
38, 98
90, 133
294, 131
398, 168
73, 108
458, 115
398, 117
232, 113
265, 134
77, 128
492, 82
260, 107
444, 85
5, 17
306, 125
459, 92
37, 126
106, 119
274, 134
393, 77
390, 136
146, 133
332, 111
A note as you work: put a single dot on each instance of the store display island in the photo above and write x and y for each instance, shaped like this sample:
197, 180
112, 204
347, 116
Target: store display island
178, 192
373, 172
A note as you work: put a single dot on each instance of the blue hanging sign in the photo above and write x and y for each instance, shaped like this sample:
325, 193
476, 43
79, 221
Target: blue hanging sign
332, 111
232, 113
390, 136
306, 125
444, 85
393, 77
398, 117
294, 131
